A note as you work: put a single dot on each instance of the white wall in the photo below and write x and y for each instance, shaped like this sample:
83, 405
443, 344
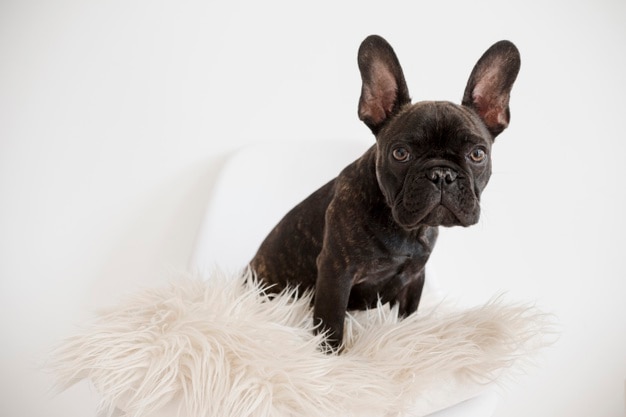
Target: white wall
114, 117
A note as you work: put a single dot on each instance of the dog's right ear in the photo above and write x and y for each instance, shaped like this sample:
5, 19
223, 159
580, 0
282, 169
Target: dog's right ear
384, 89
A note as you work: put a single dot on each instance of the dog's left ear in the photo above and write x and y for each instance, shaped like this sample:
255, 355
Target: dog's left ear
384, 89
489, 87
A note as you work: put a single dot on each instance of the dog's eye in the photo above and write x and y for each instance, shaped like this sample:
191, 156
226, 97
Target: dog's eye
478, 155
401, 154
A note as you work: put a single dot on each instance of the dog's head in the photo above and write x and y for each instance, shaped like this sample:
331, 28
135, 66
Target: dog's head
433, 157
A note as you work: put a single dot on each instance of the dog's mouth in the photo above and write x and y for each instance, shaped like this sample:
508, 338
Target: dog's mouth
443, 215
422, 202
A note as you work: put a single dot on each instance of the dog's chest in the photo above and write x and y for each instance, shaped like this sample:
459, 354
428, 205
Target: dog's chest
399, 256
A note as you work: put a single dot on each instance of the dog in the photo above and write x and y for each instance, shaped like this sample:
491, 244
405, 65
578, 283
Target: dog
365, 237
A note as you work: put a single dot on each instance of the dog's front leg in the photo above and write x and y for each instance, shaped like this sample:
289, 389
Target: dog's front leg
332, 291
409, 298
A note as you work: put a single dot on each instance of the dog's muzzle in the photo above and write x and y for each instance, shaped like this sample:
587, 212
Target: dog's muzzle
439, 195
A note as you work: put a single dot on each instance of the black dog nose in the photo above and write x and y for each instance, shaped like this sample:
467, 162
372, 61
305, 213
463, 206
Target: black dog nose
441, 175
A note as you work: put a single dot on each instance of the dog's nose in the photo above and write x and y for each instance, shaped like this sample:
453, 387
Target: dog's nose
442, 175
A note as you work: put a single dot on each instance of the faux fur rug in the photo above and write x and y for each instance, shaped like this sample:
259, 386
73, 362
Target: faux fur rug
218, 347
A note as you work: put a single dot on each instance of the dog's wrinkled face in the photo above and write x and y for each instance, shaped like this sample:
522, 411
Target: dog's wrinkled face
433, 158
433, 161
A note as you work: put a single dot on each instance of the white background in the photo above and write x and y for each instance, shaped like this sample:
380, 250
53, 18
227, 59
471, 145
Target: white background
116, 115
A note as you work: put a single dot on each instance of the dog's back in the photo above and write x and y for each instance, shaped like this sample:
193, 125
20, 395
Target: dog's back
288, 255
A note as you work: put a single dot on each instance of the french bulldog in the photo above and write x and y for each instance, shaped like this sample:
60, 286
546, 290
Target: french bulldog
365, 237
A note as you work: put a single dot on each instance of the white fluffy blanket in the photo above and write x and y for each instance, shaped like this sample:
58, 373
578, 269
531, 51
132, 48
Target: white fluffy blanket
217, 347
